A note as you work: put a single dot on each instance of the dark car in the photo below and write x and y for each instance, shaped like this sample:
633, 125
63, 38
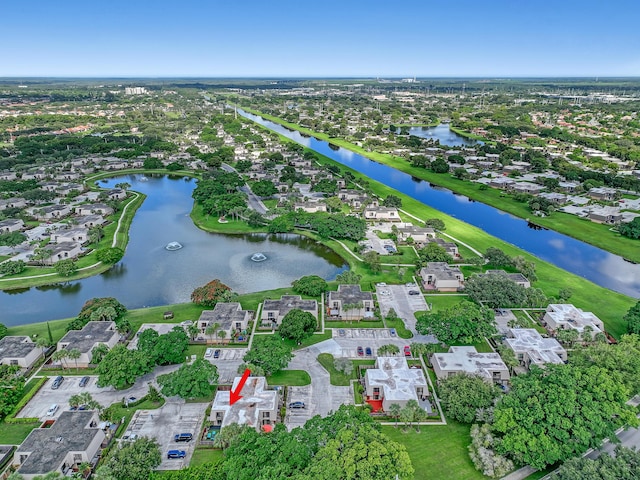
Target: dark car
83, 382
342, 332
183, 437
57, 382
360, 351
414, 292
392, 332
216, 354
297, 405
176, 454
407, 351
367, 351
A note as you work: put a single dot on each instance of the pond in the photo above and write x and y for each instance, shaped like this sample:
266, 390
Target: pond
599, 266
150, 275
444, 135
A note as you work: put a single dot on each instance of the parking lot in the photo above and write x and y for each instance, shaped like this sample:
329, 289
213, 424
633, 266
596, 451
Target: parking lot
298, 416
405, 306
347, 345
162, 424
228, 363
375, 243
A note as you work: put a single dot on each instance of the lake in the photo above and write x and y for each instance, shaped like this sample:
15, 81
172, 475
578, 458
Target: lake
597, 265
443, 134
150, 275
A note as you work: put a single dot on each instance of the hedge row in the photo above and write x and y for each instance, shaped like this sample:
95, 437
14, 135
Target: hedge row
23, 401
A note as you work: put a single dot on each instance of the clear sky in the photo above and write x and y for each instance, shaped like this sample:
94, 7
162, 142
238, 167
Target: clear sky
320, 38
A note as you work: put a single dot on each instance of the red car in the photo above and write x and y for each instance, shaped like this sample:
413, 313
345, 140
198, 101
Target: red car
407, 351
360, 351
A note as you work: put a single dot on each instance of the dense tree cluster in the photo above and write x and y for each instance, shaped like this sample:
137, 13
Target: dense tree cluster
11, 387
210, 294
165, 349
191, 380
463, 323
623, 465
270, 353
101, 309
327, 225
297, 325
131, 461
121, 367
462, 395
311, 285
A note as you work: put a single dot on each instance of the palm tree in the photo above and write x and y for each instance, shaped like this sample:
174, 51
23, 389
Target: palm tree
74, 354
406, 416
60, 356
43, 344
394, 411
221, 335
193, 330
212, 329
419, 416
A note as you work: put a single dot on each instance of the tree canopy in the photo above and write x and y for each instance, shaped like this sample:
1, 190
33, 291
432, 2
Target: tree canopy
270, 353
463, 323
624, 465
495, 291
297, 325
121, 367
213, 292
432, 252
311, 285
632, 317
190, 380
132, 461
554, 414
165, 349
462, 395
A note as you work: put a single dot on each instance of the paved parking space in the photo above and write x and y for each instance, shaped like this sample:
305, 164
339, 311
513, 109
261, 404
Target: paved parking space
375, 243
298, 417
228, 363
405, 306
172, 418
45, 397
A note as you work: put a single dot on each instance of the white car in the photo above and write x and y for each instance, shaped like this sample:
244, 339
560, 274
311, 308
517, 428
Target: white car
381, 284
208, 353
52, 410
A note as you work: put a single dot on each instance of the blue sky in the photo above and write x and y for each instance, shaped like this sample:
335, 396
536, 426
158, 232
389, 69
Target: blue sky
320, 38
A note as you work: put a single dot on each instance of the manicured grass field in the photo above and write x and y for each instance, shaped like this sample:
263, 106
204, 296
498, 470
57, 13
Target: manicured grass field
290, 378
398, 324
335, 377
438, 452
206, 455
15, 433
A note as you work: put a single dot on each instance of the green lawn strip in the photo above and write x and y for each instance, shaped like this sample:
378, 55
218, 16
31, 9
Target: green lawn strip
72, 371
197, 350
571, 225
401, 330
206, 455
290, 378
313, 339
527, 322
335, 377
438, 451
15, 433
441, 302
211, 224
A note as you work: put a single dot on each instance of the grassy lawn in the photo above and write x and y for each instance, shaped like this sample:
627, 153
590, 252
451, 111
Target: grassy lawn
211, 224
206, 455
526, 322
441, 302
398, 324
15, 433
438, 451
290, 378
197, 350
336, 377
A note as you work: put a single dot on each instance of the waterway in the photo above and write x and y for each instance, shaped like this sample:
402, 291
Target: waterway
597, 265
443, 135
150, 275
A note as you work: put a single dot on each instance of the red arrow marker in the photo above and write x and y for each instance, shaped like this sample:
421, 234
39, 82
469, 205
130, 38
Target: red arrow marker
234, 396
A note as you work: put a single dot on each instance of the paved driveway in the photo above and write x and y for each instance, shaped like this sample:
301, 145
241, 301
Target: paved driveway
45, 397
228, 363
405, 305
375, 243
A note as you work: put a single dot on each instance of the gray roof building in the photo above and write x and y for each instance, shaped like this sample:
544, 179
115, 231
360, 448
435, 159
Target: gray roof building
273, 311
17, 350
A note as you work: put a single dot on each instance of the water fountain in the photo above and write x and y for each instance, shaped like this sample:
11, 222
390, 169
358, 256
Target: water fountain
171, 246
258, 257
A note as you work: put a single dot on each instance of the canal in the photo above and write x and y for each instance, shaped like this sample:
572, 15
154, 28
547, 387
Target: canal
599, 266
150, 275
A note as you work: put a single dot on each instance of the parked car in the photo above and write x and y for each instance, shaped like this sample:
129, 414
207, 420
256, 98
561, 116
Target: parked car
410, 284
341, 332
57, 382
83, 382
216, 354
183, 437
208, 352
176, 454
297, 405
130, 436
407, 351
360, 351
52, 410
414, 292
392, 332
381, 284
367, 351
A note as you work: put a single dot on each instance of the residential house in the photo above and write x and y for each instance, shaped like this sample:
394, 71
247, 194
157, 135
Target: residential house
604, 193
89, 221
52, 212
568, 187
273, 311
8, 176
605, 214
566, 316
527, 187
467, 360
419, 235
310, 207
532, 348
13, 202
257, 407
554, 197
350, 303
94, 208
392, 381
85, 340
73, 439
11, 225
62, 251
229, 316
17, 350
442, 277
450, 247
77, 235
382, 214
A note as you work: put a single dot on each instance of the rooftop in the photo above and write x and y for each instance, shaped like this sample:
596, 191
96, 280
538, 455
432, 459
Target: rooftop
566, 313
16, 347
441, 270
541, 350
225, 314
246, 411
289, 302
48, 447
397, 380
350, 294
468, 360
92, 333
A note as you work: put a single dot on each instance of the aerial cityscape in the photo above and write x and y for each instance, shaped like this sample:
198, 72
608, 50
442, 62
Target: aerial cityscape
351, 240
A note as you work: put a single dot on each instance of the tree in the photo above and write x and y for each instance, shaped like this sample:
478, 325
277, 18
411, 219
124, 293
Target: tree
229, 435
66, 268
483, 455
497, 257
432, 252
210, 294
495, 290
212, 329
343, 365
256, 371
98, 353
463, 323
41, 254
270, 353
152, 163
388, 349
61, 356
96, 234
12, 239
297, 325
348, 277
190, 380
372, 260
392, 201
3, 331
193, 330
394, 412
554, 414
74, 354
462, 395
110, 256
11, 388
123, 186
121, 367
435, 223
264, 188
334, 204
166, 349
630, 229
12, 267
624, 465
134, 460
311, 285
632, 317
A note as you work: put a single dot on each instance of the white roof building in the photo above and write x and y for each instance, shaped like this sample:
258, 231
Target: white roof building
392, 381
467, 360
532, 348
566, 316
257, 407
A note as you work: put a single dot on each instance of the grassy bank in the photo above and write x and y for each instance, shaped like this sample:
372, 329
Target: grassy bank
606, 304
571, 225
